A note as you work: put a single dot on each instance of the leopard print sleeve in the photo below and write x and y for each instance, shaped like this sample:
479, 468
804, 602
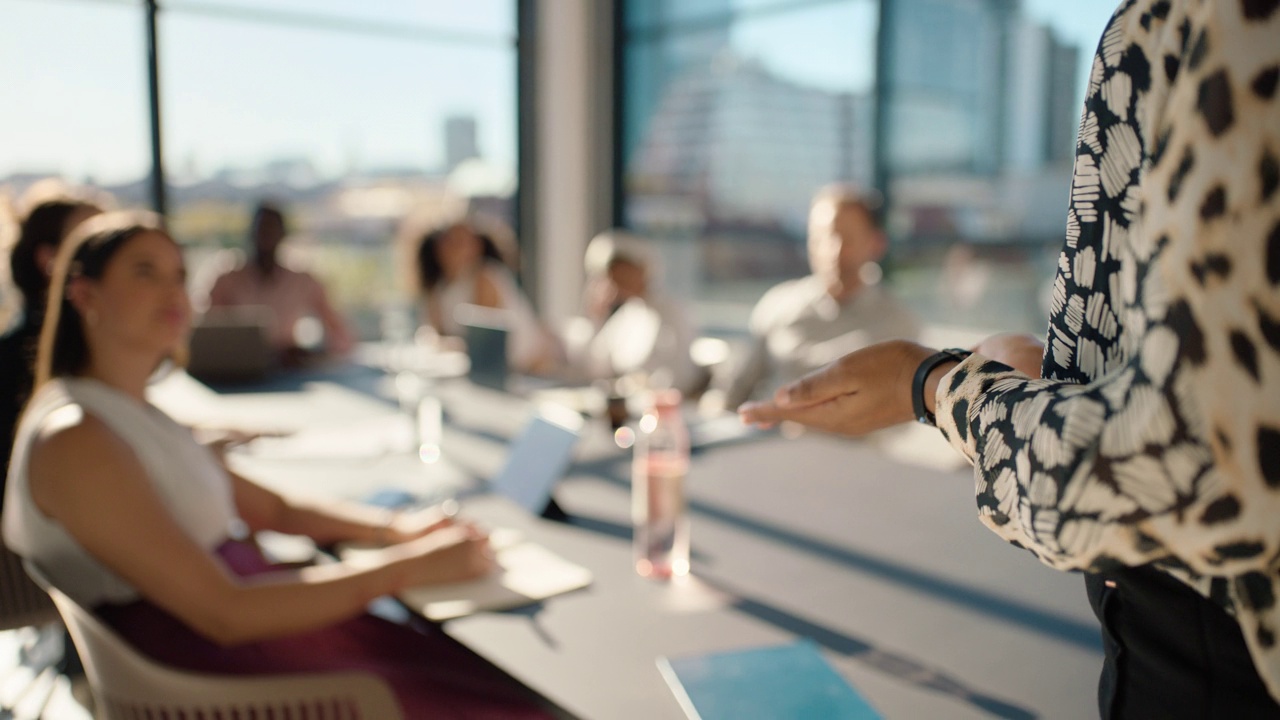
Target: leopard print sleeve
1155, 433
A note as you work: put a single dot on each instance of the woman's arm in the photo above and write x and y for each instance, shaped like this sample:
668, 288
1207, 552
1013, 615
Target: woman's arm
1175, 454
90, 482
329, 522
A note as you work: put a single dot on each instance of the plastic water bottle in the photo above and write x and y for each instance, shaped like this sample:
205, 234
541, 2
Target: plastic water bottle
659, 517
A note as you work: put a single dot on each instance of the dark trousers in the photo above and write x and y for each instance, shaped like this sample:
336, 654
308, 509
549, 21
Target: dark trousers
1171, 653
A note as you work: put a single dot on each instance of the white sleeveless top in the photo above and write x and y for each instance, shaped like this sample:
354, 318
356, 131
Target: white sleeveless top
189, 481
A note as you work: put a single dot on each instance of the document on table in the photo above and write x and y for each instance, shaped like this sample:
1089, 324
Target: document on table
527, 572
784, 681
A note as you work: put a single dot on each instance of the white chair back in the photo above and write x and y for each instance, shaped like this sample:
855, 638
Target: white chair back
128, 685
22, 602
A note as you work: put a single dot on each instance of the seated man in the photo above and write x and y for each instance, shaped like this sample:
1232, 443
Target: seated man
290, 296
801, 325
633, 328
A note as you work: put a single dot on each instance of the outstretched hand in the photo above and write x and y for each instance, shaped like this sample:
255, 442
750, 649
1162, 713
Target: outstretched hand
863, 391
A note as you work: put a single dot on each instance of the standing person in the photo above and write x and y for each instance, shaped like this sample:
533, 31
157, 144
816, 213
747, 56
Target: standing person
801, 325
120, 508
459, 265
40, 232
1148, 456
289, 295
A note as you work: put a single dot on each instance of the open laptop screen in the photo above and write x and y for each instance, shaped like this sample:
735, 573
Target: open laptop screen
538, 458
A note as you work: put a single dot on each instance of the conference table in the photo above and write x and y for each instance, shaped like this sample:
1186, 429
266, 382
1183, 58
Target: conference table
871, 549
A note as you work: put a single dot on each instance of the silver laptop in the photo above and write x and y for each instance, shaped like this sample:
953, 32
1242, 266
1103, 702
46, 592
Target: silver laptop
536, 460
231, 345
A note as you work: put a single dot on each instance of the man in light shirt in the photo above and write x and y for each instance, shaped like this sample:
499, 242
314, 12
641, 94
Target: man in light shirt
803, 324
292, 298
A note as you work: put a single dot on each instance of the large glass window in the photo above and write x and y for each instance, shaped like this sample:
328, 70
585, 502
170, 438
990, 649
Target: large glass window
73, 88
735, 112
352, 115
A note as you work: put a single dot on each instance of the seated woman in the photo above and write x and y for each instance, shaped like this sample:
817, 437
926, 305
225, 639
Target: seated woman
457, 265
122, 510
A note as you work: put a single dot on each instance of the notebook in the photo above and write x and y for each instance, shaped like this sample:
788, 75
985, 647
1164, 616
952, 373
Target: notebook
783, 681
230, 345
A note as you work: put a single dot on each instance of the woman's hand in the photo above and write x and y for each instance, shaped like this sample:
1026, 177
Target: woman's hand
406, 526
450, 554
863, 391
1022, 352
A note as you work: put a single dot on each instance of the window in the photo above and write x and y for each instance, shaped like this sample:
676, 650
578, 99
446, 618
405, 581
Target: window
735, 112
352, 115
73, 85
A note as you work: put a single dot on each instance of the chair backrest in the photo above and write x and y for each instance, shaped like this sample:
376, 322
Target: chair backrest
128, 685
22, 602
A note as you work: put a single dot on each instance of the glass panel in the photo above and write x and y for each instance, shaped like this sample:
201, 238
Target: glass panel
983, 106
735, 112
350, 131
73, 86
729, 128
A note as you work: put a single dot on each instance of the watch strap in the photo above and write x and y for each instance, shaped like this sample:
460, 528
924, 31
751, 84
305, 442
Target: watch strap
922, 374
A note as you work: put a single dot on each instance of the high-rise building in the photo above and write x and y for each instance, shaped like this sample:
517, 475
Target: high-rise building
1041, 103
459, 141
749, 146
945, 84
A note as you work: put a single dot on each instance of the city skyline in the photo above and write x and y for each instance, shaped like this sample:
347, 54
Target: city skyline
359, 102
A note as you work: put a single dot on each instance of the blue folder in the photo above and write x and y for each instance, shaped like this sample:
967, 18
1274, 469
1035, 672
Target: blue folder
785, 681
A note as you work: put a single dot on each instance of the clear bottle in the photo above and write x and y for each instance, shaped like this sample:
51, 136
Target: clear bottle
659, 517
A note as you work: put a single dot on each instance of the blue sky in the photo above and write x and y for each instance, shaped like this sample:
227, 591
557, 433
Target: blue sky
72, 80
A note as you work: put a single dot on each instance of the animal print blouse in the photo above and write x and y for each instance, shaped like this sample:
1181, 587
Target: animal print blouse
1155, 433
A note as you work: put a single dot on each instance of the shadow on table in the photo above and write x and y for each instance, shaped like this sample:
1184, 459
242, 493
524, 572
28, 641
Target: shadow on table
1045, 622
884, 661
360, 378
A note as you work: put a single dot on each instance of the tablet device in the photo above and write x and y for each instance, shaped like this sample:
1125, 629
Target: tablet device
485, 332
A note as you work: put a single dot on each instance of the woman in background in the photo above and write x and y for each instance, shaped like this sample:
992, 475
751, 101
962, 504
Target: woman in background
457, 266
120, 508
41, 231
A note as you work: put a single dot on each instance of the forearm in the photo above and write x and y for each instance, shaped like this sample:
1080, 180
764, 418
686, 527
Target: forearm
290, 602
332, 522
1087, 476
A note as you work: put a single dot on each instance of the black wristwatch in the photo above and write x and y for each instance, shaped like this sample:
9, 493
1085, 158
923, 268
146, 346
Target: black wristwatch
922, 374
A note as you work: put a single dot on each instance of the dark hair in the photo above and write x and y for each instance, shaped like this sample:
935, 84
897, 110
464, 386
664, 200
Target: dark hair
429, 271
86, 253
42, 227
268, 208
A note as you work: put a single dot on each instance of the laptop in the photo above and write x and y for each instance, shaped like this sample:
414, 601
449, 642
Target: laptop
230, 345
485, 331
536, 460
527, 571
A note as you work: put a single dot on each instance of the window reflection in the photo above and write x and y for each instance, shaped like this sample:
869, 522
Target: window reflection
736, 112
